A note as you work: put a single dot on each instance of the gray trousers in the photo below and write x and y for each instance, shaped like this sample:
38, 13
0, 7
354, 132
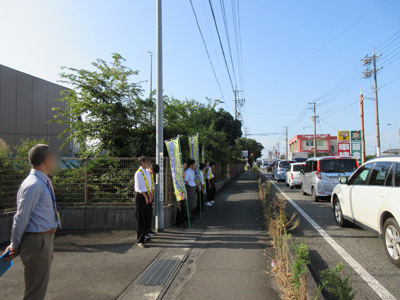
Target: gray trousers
36, 252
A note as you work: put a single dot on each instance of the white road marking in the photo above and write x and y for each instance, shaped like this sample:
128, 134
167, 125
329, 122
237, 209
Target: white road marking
368, 278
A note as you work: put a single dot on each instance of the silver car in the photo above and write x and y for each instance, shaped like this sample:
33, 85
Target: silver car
281, 168
322, 174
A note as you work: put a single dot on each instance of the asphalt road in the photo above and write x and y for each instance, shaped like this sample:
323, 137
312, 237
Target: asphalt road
364, 247
231, 258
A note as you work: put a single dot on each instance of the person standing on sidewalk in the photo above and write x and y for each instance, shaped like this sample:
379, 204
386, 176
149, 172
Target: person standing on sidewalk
154, 169
142, 198
210, 178
203, 185
191, 186
36, 222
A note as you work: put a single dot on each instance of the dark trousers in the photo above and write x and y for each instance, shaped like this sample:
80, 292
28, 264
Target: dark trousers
211, 191
180, 215
149, 217
140, 217
36, 252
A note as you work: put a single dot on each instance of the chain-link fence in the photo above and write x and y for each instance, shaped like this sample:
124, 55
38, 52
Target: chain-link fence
91, 181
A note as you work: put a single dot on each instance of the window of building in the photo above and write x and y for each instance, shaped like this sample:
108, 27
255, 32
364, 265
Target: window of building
320, 142
309, 143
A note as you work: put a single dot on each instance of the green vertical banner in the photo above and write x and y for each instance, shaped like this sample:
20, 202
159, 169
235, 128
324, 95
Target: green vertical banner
173, 147
356, 146
203, 155
195, 155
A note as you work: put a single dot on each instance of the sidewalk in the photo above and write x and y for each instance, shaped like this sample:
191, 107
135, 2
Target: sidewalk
225, 255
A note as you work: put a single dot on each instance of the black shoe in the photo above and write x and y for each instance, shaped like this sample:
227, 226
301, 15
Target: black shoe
151, 232
147, 240
180, 226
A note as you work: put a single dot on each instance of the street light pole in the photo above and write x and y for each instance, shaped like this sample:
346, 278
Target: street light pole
159, 203
390, 124
151, 72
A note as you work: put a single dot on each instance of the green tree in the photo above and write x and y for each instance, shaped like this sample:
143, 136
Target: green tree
252, 146
105, 111
102, 108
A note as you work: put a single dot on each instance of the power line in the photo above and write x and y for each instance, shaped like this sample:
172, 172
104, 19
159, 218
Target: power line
320, 49
208, 54
220, 43
221, 2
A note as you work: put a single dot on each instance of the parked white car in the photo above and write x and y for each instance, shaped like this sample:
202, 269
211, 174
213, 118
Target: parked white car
293, 175
370, 198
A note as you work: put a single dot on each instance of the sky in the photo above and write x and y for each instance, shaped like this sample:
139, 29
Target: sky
292, 53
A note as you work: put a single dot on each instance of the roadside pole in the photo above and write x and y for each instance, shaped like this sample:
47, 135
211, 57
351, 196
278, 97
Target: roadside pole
362, 126
159, 204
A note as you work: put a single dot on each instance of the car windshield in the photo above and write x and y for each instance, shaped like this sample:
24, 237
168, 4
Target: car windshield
285, 164
298, 168
338, 165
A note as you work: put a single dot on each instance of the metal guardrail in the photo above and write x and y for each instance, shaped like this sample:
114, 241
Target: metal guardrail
90, 181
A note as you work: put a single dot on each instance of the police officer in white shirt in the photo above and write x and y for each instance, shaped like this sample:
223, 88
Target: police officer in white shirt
191, 186
143, 187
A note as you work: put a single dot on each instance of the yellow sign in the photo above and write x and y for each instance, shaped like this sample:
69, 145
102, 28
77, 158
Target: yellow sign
343, 135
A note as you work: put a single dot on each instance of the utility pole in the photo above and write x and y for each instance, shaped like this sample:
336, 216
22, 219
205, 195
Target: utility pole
362, 126
313, 107
238, 104
234, 91
151, 72
159, 203
278, 154
367, 74
287, 143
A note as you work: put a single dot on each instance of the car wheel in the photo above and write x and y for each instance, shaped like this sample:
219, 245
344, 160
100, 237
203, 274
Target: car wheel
391, 240
287, 184
314, 195
291, 187
302, 190
337, 210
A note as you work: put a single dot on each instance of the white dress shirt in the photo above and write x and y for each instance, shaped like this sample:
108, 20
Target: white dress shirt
35, 208
190, 177
140, 185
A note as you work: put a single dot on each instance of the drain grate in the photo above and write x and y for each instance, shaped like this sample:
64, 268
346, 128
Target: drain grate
159, 272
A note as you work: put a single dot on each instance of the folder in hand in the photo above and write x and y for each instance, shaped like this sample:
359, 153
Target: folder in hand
5, 265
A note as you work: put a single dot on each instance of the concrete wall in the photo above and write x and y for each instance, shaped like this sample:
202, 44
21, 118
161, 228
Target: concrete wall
100, 217
26, 104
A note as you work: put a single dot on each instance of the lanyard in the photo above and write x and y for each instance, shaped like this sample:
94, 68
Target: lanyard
145, 181
53, 197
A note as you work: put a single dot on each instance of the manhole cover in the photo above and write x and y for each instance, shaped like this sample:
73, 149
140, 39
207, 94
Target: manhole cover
159, 272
